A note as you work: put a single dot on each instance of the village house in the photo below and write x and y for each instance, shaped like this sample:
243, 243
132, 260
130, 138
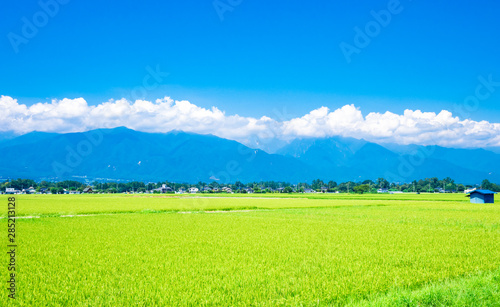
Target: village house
164, 189
29, 190
193, 190
206, 189
11, 191
87, 190
467, 191
249, 190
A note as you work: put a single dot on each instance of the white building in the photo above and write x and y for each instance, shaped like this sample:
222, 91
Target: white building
193, 190
467, 191
11, 191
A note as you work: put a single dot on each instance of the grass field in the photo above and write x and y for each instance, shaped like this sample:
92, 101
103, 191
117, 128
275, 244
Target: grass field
55, 205
357, 250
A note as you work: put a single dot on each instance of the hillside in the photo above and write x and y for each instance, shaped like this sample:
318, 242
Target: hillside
124, 154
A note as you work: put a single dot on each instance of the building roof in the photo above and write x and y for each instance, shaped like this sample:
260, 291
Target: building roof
484, 192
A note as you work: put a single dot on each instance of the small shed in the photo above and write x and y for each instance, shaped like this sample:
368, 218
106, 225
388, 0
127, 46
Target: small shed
482, 197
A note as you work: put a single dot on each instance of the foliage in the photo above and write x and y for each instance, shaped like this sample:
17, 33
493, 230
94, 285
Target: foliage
362, 188
487, 185
288, 190
423, 185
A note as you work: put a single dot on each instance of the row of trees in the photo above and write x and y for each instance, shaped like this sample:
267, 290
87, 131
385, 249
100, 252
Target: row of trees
368, 186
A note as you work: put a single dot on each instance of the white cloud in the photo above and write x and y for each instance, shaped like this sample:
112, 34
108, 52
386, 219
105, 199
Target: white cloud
412, 127
163, 115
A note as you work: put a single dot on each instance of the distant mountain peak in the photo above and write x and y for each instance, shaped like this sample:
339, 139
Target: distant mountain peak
189, 157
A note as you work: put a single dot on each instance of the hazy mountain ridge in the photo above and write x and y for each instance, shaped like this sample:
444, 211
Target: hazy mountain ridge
355, 159
131, 155
126, 154
7, 135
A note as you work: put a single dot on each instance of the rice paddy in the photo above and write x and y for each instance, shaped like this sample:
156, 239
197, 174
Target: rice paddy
323, 250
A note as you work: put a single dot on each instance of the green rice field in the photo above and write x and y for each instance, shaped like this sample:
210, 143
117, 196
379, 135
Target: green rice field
255, 250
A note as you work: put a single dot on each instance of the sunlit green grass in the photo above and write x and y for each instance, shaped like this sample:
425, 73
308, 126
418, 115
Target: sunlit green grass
300, 252
481, 289
375, 196
43, 205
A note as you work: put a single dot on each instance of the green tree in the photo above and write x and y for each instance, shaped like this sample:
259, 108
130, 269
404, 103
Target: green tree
362, 188
317, 184
486, 185
382, 183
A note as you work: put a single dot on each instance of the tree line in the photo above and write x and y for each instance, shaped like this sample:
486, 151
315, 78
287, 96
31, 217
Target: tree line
367, 186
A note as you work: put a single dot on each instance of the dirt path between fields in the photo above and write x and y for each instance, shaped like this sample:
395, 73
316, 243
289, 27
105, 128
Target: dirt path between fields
118, 213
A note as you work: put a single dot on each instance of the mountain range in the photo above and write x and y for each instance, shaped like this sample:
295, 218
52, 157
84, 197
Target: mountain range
124, 154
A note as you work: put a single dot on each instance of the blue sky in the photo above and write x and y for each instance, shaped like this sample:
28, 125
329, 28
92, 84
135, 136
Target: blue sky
261, 56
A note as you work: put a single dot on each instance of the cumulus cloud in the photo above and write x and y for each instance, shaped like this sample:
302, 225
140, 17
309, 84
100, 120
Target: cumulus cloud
412, 127
163, 115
